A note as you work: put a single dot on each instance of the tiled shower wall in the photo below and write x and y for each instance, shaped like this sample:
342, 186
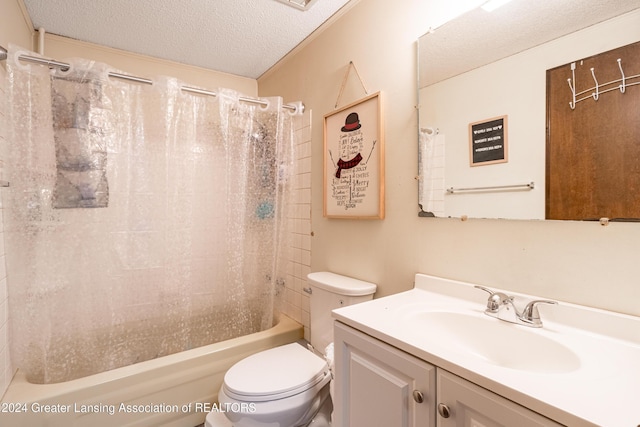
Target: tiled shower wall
6, 373
296, 304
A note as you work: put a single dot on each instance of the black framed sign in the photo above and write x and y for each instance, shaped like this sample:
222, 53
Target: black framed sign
488, 141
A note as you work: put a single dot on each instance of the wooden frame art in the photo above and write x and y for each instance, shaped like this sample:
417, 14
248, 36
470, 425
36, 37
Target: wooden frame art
353, 183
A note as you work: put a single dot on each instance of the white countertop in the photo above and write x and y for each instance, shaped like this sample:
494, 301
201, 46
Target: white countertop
601, 389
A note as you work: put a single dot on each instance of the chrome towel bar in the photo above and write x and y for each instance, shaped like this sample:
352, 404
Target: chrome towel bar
527, 186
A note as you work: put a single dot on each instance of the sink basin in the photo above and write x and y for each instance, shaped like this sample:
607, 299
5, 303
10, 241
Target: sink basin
580, 363
497, 342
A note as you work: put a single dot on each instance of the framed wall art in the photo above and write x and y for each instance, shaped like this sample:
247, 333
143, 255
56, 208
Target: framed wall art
354, 161
488, 142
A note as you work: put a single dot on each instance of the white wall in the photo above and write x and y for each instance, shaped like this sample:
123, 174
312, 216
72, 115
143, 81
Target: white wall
584, 263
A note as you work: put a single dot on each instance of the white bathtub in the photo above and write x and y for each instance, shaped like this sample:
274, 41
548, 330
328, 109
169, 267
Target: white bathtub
175, 390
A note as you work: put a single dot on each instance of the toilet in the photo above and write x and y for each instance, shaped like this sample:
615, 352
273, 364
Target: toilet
289, 385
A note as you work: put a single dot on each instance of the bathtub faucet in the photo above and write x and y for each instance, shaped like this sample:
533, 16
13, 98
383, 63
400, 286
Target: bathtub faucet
502, 306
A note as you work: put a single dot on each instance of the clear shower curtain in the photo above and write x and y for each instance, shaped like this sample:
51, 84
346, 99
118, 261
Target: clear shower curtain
141, 220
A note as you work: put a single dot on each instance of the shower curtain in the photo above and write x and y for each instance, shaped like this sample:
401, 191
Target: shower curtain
141, 220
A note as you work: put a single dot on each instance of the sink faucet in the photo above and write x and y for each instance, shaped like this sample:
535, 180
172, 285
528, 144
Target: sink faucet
501, 306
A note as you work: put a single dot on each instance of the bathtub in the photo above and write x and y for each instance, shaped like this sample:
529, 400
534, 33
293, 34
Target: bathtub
176, 390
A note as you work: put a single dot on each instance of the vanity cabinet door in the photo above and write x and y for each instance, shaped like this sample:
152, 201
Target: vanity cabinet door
378, 385
463, 404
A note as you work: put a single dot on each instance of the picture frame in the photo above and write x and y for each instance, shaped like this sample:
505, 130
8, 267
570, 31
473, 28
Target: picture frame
353, 146
488, 141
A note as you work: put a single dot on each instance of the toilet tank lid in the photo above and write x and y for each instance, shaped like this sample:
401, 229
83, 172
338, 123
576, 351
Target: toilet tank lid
339, 284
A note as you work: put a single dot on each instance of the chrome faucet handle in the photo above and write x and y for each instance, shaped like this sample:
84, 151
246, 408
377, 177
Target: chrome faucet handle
484, 289
530, 313
496, 299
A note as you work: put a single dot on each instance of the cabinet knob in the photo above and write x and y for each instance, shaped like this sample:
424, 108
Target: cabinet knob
418, 396
443, 410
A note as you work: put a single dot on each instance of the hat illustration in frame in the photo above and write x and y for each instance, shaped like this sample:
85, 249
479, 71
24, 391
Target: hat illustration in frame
351, 123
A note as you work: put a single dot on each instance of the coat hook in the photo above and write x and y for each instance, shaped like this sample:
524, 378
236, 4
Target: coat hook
623, 86
595, 95
572, 104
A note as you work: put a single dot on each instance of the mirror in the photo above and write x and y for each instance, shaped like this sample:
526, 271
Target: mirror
487, 65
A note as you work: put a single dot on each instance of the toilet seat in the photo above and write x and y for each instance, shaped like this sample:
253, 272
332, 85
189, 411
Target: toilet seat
275, 374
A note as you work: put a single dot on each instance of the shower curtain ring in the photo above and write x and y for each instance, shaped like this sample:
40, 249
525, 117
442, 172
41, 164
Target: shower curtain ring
298, 110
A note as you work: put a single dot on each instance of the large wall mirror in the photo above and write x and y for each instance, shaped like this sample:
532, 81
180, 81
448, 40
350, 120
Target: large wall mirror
482, 92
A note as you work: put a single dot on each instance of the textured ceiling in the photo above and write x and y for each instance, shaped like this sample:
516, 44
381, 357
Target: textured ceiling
241, 37
478, 37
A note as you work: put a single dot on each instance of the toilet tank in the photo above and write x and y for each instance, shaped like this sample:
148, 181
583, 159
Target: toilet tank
328, 292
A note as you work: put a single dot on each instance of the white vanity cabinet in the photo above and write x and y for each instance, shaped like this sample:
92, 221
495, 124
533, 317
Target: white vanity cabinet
464, 404
436, 339
377, 384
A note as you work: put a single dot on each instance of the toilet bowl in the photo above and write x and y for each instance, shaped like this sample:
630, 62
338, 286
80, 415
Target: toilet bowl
282, 386
289, 386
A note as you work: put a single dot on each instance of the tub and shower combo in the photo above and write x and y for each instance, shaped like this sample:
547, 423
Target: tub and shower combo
146, 236
176, 390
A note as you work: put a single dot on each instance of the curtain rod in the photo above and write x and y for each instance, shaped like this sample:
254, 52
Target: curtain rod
296, 108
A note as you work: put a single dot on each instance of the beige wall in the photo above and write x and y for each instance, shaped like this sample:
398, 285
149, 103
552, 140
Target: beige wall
584, 263
144, 66
14, 27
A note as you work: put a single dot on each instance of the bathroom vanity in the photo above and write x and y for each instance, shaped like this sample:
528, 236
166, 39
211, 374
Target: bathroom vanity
431, 356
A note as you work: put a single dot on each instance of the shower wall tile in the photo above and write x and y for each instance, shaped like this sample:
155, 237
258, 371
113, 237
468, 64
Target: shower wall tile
305, 165
296, 301
6, 371
305, 243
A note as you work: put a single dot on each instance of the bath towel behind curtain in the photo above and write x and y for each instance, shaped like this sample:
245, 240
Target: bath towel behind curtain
81, 128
